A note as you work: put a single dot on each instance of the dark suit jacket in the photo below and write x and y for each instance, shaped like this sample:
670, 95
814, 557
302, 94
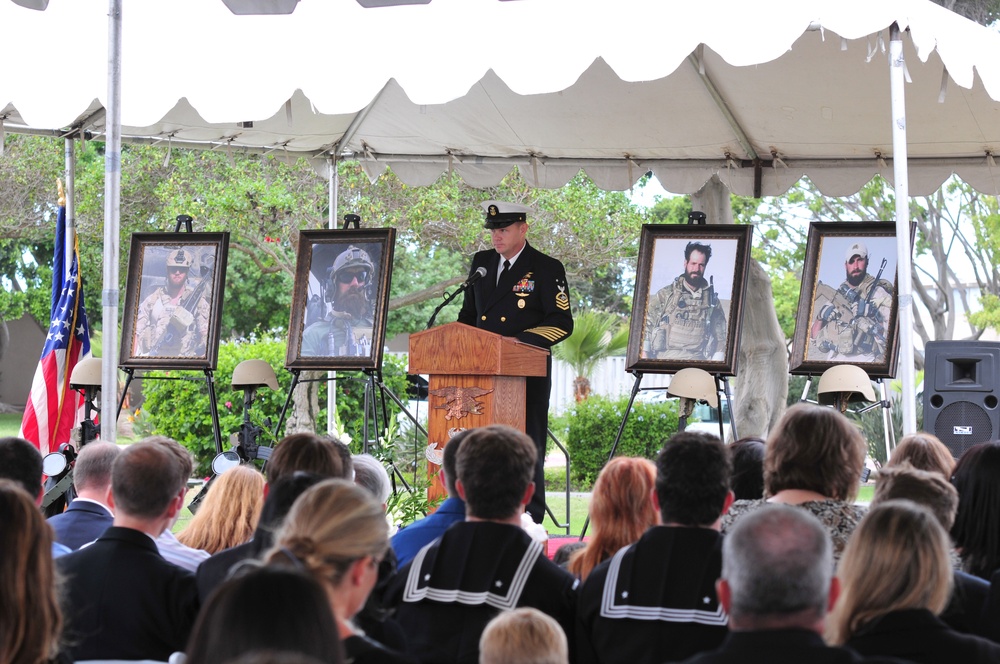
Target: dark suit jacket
531, 302
82, 522
781, 646
124, 601
919, 636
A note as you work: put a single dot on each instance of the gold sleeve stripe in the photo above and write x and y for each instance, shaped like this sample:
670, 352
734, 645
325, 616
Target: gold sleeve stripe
550, 333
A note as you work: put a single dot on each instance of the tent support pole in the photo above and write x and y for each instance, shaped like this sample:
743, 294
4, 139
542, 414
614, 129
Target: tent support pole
904, 295
112, 208
331, 383
69, 155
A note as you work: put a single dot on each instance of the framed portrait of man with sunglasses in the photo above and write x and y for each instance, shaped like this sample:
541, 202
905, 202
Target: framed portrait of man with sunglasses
173, 300
340, 299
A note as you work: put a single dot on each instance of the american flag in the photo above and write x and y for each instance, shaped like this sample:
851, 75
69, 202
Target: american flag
53, 409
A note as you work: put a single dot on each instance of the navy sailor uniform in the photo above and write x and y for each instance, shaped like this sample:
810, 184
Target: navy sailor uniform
455, 585
653, 601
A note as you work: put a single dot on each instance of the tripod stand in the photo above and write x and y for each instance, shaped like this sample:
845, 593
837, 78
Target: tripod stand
375, 408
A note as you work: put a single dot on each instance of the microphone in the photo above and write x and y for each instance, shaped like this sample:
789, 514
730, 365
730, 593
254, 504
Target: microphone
478, 274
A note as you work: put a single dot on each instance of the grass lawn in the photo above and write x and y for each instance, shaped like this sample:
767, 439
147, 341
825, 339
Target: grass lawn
10, 424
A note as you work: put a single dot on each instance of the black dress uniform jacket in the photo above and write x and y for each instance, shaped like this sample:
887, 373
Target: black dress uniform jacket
530, 303
454, 586
653, 601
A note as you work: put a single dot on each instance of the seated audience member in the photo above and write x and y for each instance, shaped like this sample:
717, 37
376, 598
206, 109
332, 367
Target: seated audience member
281, 496
228, 514
127, 601
975, 533
747, 457
454, 586
30, 617
373, 619
370, 474
895, 579
813, 460
655, 601
21, 462
274, 609
312, 453
172, 550
777, 585
87, 516
410, 539
620, 511
525, 636
923, 451
931, 490
338, 533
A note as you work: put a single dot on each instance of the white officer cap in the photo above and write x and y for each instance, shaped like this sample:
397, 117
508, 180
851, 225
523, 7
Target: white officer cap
501, 215
856, 249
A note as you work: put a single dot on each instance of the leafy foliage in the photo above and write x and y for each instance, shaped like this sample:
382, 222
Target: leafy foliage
596, 335
594, 423
177, 404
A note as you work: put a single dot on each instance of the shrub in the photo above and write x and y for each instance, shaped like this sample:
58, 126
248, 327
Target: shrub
177, 404
594, 423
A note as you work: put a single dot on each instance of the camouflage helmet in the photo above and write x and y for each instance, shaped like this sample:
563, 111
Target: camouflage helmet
353, 257
180, 258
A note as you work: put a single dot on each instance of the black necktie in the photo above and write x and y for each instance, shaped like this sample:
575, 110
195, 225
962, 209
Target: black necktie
506, 266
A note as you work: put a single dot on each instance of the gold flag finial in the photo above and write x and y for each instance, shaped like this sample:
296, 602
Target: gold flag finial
62, 192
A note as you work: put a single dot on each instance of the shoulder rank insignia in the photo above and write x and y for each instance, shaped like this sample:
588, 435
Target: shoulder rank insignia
562, 299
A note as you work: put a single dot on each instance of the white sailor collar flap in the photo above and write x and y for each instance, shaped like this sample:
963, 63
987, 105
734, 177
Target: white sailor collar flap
639, 590
473, 567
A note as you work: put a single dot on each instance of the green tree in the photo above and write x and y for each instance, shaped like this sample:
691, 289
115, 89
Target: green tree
596, 336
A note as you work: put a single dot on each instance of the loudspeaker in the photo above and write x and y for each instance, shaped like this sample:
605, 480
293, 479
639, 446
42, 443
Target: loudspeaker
961, 392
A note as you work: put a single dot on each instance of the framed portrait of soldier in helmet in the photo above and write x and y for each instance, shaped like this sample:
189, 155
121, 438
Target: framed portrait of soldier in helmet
340, 300
688, 300
173, 300
847, 303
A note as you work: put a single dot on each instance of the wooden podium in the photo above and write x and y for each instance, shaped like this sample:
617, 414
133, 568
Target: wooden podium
476, 378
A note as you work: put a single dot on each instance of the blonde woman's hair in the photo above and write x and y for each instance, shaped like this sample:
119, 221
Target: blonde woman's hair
897, 558
524, 635
228, 515
924, 451
330, 526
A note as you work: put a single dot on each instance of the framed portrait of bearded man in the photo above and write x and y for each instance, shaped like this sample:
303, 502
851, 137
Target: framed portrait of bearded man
688, 301
173, 300
847, 312
340, 299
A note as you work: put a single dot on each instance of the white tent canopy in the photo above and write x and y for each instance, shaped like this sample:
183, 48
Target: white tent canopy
761, 94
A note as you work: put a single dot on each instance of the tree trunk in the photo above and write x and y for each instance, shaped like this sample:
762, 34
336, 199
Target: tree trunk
581, 388
305, 404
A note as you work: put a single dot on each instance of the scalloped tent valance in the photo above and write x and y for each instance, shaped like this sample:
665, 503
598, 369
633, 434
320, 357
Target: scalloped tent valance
759, 97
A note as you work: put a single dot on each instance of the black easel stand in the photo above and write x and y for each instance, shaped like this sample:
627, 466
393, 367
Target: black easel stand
212, 398
375, 393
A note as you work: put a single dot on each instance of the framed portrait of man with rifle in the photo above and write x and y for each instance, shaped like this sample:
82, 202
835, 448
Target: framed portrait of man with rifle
688, 300
847, 304
173, 300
